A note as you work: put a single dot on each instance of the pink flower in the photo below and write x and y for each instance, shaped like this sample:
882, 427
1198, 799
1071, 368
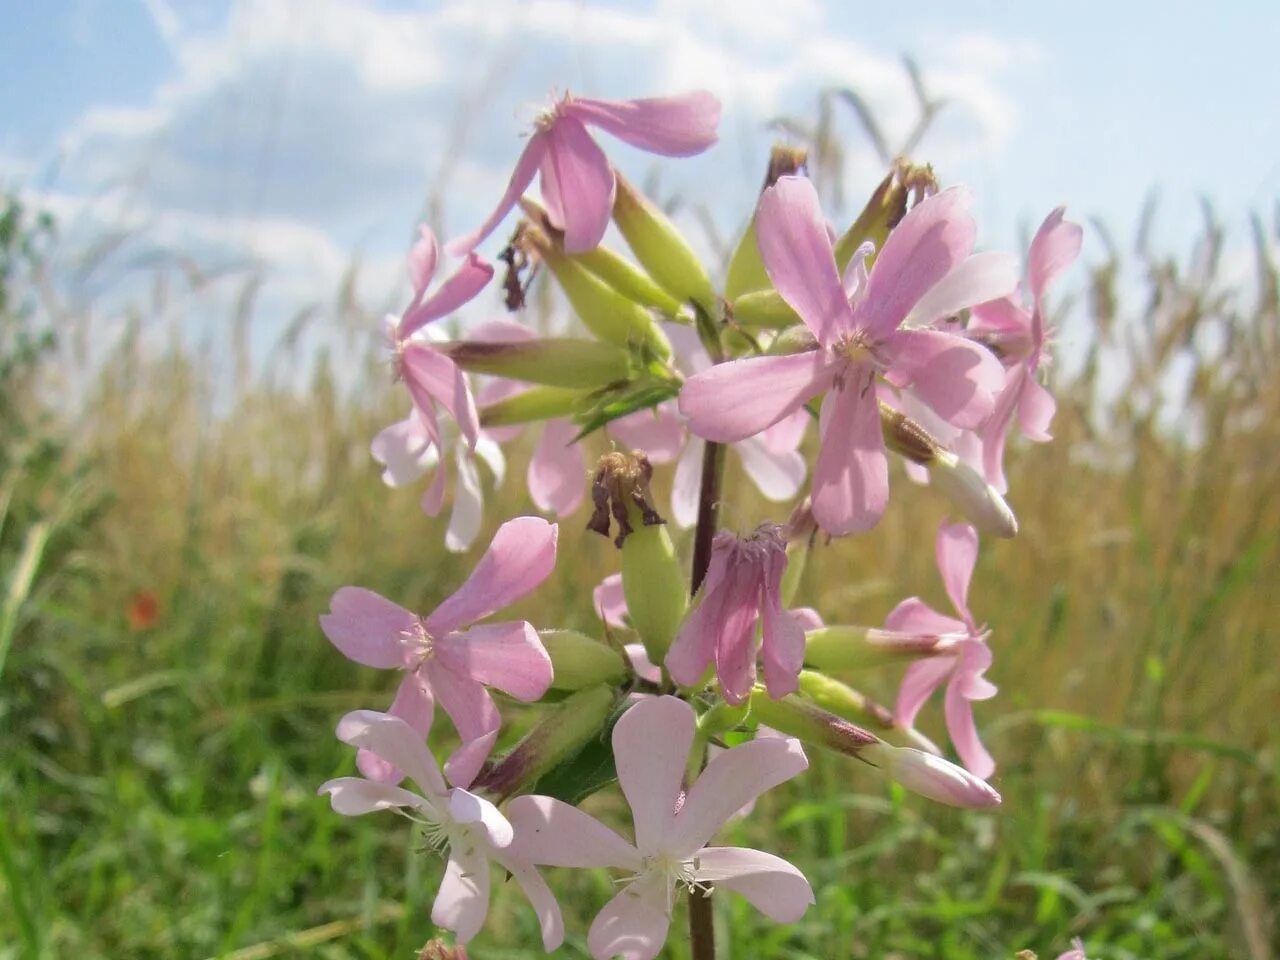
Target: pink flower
651, 745
431, 377
957, 552
445, 656
469, 827
407, 450
577, 180
743, 583
1020, 337
1076, 952
866, 326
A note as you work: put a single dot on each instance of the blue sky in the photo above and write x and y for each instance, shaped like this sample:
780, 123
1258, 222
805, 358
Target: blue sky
292, 133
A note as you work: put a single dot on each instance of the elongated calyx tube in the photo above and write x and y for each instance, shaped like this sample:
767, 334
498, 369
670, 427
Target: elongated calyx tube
842, 700
580, 661
886, 208
554, 361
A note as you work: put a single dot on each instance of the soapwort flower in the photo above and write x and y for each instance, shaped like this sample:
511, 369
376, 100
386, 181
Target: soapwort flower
446, 656
651, 745
466, 828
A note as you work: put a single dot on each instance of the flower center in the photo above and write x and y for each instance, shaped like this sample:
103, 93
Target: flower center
856, 348
674, 873
418, 644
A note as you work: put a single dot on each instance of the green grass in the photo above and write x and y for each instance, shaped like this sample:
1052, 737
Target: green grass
158, 784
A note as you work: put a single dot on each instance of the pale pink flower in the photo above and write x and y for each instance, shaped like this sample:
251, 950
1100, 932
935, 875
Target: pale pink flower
743, 584
407, 450
432, 378
447, 657
866, 326
1076, 952
651, 744
1021, 337
957, 552
468, 827
576, 178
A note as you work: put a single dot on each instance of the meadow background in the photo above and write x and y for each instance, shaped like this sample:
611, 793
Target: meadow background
176, 508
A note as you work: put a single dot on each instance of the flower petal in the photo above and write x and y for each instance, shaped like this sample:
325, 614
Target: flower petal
392, 739
553, 833
413, 704
521, 555
462, 286
405, 449
694, 648
740, 398
577, 178
557, 471
1055, 246
610, 601
918, 683
964, 733
508, 656
540, 897
423, 257
1036, 408
651, 745
956, 377
463, 901
771, 885
782, 649
465, 763
956, 550
671, 126
732, 624
979, 278
687, 485
730, 781
467, 808
465, 700
431, 376
792, 235
354, 796
633, 925
368, 628
468, 504
851, 477
659, 432
521, 177
931, 240
777, 475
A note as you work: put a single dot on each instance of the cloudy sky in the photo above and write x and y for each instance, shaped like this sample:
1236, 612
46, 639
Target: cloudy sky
291, 134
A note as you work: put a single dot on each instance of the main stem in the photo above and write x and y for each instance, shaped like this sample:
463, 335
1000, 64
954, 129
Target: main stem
702, 933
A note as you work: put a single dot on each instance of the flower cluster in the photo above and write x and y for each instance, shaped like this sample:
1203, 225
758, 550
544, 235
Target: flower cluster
893, 339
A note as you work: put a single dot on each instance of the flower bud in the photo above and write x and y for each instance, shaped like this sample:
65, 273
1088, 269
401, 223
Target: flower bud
536, 403
849, 648
660, 247
931, 776
567, 727
629, 280
885, 209
722, 718
554, 361
848, 703
801, 718
652, 581
746, 269
580, 661
764, 308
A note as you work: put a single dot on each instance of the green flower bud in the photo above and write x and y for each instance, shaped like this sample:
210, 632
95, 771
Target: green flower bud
630, 281
802, 718
885, 209
764, 308
849, 704
848, 648
660, 247
567, 726
580, 661
554, 361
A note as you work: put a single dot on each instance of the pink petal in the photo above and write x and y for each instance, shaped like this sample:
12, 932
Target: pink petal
732, 623
367, 628
422, 261
406, 449
782, 649
792, 235
396, 742
464, 764
957, 378
354, 796
956, 550
932, 238
770, 884
610, 601
735, 400
807, 617
468, 503
521, 555
1054, 248
461, 287
1036, 408
975, 660
851, 477
977, 279
914, 616
994, 431
540, 897
686, 487
433, 497
553, 833
730, 781
651, 745
469, 809
463, 900
964, 734
577, 175
433, 377
659, 432
415, 705
641, 665
694, 648
918, 683
521, 177
634, 924
558, 472
787, 434
671, 126
508, 656
779, 476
